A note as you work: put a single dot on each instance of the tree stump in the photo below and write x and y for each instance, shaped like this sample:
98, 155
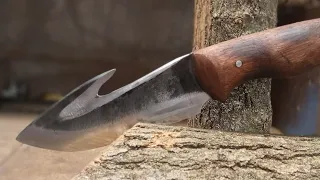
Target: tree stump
149, 151
249, 107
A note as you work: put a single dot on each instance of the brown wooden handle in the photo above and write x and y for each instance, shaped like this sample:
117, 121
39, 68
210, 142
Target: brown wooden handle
275, 53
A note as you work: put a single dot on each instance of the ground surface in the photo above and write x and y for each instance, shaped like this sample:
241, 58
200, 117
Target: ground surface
20, 162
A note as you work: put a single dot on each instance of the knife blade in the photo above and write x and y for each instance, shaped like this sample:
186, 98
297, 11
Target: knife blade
84, 120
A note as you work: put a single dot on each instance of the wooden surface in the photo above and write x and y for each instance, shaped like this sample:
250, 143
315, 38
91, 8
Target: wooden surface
23, 162
166, 152
280, 52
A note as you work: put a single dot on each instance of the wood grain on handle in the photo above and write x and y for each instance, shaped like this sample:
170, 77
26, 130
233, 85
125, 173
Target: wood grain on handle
281, 52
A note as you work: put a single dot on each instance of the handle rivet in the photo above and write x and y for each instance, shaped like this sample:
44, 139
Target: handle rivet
238, 63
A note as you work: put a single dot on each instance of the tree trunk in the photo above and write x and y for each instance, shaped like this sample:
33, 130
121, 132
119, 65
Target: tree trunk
291, 11
249, 107
296, 100
165, 152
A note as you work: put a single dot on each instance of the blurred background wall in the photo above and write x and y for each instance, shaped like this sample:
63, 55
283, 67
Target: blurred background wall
55, 45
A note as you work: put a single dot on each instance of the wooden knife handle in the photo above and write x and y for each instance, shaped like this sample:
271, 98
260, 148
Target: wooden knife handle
280, 52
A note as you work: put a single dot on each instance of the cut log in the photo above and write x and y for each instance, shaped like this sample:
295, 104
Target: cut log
249, 107
171, 152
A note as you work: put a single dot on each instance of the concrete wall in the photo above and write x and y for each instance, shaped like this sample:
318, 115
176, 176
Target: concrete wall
54, 45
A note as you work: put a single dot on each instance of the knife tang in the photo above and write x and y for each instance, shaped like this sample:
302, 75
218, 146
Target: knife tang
280, 52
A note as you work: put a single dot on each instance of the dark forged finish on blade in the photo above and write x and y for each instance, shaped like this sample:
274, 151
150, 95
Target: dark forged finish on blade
84, 120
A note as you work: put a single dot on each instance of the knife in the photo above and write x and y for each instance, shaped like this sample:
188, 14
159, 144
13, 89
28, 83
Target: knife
84, 120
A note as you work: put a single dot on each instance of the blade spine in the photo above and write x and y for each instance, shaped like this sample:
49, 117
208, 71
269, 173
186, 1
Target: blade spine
101, 100
150, 75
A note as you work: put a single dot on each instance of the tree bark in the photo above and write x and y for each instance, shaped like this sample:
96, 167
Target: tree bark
166, 152
249, 107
